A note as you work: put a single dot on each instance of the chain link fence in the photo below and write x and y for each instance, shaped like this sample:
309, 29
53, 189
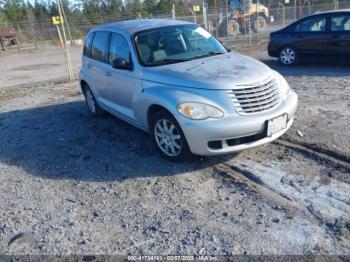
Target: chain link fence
235, 26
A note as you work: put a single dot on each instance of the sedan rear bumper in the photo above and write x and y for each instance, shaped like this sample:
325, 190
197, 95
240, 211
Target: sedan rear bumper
236, 133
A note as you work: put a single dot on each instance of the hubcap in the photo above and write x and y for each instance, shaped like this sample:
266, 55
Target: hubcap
90, 101
287, 56
167, 137
232, 28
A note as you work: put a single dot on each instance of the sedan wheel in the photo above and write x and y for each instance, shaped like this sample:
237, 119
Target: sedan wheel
168, 137
288, 56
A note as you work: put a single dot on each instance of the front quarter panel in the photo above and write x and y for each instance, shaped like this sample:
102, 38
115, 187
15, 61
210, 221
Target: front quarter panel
169, 97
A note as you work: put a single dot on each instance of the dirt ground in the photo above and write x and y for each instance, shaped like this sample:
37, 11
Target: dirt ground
73, 184
37, 66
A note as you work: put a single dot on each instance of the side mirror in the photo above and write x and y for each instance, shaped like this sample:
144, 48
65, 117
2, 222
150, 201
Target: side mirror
121, 63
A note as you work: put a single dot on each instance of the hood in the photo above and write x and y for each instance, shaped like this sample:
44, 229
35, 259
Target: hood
215, 72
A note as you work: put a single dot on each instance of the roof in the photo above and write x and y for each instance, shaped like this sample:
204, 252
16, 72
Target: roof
332, 11
133, 26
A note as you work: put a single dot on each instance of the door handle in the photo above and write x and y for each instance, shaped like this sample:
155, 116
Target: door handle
108, 73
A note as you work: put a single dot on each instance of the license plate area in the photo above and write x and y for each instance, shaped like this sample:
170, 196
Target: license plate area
276, 124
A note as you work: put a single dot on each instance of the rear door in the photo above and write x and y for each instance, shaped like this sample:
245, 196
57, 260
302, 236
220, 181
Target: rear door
339, 41
311, 35
98, 62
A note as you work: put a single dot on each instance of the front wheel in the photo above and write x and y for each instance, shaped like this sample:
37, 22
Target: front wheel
168, 137
229, 28
288, 56
258, 23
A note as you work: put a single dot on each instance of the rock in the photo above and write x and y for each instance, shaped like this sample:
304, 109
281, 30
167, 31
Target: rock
225, 214
275, 220
300, 133
20, 236
82, 242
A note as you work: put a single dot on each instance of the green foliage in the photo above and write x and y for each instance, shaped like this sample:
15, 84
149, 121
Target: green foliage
3, 19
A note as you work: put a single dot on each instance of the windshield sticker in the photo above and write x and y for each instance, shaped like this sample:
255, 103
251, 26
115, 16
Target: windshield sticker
202, 32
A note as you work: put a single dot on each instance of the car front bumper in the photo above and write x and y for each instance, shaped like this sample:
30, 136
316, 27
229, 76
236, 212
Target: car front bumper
236, 132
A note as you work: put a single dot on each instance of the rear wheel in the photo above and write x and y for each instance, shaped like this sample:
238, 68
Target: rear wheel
288, 56
91, 103
168, 137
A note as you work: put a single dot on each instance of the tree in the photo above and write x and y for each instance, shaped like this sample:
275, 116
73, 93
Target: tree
15, 10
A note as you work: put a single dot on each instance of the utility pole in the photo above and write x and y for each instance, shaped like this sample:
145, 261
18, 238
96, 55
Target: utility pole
299, 9
65, 46
216, 19
66, 21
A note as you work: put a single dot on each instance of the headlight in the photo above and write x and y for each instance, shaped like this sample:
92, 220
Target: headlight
283, 85
199, 111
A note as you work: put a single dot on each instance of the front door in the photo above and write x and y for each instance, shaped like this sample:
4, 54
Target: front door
311, 36
121, 85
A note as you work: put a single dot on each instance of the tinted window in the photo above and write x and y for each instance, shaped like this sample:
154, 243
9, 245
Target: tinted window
87, 46
340, 23
315, 24
118, 48
99, 46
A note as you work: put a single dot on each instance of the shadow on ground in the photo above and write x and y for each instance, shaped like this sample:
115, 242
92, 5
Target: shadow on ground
311, 68
64, 142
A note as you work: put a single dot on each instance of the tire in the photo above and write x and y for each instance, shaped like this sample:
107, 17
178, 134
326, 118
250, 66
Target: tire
168, 137
92, 105
288, 56
258, 23
233, 28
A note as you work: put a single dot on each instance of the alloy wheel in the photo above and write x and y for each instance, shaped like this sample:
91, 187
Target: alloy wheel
288, 56
90, 101
167, 137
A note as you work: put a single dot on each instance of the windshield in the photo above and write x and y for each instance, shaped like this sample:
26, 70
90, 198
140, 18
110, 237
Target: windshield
174, 44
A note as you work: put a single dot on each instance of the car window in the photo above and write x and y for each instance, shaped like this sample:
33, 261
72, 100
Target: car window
118, 47
314, 24
175, 44
340, 23
198, 39
87, 46
99, 46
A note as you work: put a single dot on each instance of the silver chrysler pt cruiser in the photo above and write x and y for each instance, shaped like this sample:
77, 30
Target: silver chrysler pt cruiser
174, 80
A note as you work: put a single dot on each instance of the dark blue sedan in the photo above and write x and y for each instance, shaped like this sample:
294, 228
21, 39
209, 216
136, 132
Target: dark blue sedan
323, 35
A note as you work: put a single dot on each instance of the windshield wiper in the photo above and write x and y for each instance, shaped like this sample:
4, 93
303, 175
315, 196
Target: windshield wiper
211, 53
170, 61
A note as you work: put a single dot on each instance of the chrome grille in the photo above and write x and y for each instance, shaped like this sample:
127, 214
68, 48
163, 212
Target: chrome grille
255, 98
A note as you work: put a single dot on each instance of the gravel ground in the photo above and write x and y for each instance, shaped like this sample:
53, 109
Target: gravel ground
73, 184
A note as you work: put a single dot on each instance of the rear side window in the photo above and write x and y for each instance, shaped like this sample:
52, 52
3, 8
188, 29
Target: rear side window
340, 23
87, 46
119, 47
314, 24
99, 46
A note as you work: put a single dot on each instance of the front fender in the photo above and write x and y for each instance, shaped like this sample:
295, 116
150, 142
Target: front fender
169, 97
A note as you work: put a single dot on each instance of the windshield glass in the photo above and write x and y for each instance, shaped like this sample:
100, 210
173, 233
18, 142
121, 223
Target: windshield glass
174, 44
